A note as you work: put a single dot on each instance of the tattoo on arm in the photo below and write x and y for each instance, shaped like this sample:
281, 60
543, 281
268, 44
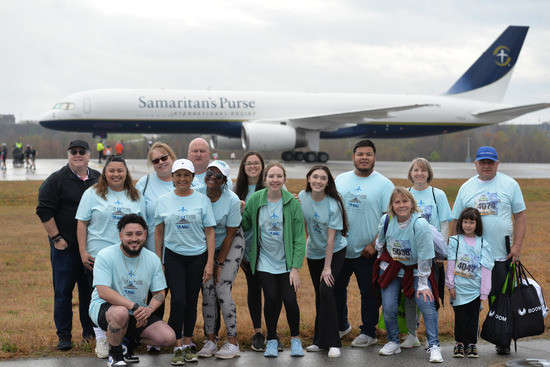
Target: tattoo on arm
159, 297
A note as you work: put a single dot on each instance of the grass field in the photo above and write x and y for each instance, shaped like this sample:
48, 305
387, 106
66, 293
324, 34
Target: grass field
26, 311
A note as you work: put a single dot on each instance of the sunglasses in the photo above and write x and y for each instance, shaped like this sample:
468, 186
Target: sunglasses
217, 176
164, 158
78, 151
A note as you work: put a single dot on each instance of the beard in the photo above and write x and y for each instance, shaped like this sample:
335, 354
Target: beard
126, 248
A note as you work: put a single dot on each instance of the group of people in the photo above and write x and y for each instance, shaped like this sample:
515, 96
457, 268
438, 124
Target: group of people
105, 152
198, 228
21, 157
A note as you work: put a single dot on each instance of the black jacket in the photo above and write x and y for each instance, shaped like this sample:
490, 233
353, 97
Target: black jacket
58, 198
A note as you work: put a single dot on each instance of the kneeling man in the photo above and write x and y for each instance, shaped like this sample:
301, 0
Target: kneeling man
123, 274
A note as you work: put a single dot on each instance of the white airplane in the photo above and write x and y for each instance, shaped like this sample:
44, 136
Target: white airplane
267, 121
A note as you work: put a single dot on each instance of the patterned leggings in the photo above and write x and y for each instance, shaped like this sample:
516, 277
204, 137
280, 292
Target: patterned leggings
221, 292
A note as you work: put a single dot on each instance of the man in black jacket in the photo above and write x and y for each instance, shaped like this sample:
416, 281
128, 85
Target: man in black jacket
58, 199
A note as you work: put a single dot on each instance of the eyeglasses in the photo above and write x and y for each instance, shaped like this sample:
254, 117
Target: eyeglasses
255, 164
217, 176
78, 151
164, 158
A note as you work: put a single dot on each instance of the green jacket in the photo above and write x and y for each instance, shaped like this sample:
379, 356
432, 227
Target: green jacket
293, 228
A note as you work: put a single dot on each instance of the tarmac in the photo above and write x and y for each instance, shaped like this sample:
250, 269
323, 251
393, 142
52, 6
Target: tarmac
530, 353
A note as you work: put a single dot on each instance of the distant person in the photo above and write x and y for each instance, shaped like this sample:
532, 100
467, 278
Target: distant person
468, 278
33, 158
58, 199
326, 229
366, 194
216, 156
499, 199
233, 156
249, 180
3, 156
99, 148
119, 148
123, 275
27, 154
107, 152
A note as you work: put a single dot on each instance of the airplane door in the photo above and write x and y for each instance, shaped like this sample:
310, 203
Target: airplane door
87, 105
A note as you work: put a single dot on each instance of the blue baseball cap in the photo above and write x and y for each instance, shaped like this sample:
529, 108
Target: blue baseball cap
486, 152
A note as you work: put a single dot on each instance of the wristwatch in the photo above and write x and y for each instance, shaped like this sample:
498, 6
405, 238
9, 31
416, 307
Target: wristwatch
135, 307
217, 263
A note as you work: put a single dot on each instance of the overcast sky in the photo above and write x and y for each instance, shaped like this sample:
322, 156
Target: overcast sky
52, 48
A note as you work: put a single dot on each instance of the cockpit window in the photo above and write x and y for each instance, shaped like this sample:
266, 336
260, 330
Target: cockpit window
64, 106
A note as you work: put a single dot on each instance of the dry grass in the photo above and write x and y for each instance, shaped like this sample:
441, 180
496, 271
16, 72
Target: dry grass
26, 310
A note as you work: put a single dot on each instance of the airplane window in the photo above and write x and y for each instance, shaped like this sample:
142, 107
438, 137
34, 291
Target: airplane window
58, 106
70, 106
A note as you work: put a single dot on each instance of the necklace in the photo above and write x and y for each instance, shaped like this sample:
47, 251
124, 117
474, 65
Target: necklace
131, 274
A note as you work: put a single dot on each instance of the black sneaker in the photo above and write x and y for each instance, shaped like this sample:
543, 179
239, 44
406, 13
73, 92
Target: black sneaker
280, 346
503, 350
128, 353
472, 351
458, 352
116, 358
258, 342
64, 343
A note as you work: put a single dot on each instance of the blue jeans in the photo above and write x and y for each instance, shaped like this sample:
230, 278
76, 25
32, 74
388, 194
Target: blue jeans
390, 297
67, 270
362, 268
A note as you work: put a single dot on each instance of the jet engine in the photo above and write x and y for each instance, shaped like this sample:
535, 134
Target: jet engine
224, 143
266, 137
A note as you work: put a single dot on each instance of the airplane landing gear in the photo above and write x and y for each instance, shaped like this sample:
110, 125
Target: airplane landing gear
308, 157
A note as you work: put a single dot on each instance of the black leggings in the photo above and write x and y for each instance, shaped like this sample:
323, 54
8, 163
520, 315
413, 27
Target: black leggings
467, 322
254, 295
277, 290
184, 278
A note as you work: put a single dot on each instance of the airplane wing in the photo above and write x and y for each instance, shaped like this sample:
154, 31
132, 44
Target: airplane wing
338, 120
512, 112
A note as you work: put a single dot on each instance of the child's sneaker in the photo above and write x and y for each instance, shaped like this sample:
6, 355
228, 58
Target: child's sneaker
458, 352
472, 351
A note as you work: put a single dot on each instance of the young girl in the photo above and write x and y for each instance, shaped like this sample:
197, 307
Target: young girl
277, 253
326, 225
469, 265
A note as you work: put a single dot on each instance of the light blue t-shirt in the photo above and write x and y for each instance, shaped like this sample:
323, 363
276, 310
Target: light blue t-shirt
365, 200
155, 189
272, 247
408, 245
227, 211
497, 200
103, 216
319, 217
184, 221
434, 212
131, 277
468, 267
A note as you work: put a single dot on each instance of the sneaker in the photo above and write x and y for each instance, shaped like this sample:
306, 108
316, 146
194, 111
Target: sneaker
102, 348
177, 359
128, 354
115, 362
271, 348
411, 341
258, 342
503, 350
65, 343
116, 357
435, 354
153, 350
389, 349
458, 352
189, 355
472, 351
313, 348
333, 352
345, 332
280, 346
296, 349
193, 346
228, 351
363, 340
208, 350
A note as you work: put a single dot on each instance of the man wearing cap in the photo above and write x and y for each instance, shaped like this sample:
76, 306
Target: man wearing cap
499, 199
58, 199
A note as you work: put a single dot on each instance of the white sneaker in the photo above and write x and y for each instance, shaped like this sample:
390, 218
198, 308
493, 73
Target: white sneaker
389, 349
363, 340
410, 341
313, 348
334, 352
345, 332
435, 354
208, 349
102, 348
228, 351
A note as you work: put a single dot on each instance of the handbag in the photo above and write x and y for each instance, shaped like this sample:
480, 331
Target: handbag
499, 324
526, 305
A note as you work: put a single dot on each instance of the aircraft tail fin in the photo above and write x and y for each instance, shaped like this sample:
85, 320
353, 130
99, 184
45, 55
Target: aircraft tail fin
488, 78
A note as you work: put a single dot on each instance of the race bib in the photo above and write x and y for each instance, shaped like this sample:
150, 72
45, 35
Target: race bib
487, 203
466, 266
401, 250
